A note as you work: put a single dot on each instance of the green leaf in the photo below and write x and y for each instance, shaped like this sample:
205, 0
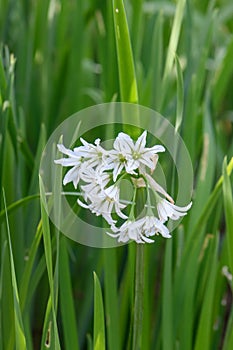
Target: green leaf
205, 324
99, 327
48, 332
228, 207
167, 306
223, 76
174, 37
18, 204
3, 255
69, 321
156, 61
228, 342
138, 298
180, 95
111, 299
20, 339
206, 169
27, 274
128, 83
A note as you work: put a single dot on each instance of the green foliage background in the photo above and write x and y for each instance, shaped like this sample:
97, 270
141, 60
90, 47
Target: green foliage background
58, 57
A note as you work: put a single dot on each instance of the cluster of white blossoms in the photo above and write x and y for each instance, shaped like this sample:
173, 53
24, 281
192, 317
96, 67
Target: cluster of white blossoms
99, 172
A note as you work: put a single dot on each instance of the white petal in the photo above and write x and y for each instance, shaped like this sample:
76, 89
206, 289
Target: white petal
147, 240
67, 161
123, 238
65, 150
117, 170
71, 176
85, 143
97, 142
163, 230
111, 191
157, 148
119, 213
133, 234
141, 142
147, 161
114, 235
182, 209
162, 213
82, 204
123, 143
131, 165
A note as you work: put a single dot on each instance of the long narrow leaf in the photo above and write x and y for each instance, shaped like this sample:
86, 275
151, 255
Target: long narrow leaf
48, 257
228, 206
128, 84
19, 329
69, 321
111, 299
99, 327
203, 339
174, 37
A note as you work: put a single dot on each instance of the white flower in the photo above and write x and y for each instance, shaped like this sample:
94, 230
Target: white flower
106, 202
94, 154
95, 168
81, 158
143, 155
75, 160
152, 225
131, 156
168, 210
140, 230
130, 230
96, 180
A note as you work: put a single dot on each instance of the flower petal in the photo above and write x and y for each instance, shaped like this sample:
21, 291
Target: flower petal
141, 142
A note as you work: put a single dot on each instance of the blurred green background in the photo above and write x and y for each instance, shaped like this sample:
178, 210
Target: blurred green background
58, 57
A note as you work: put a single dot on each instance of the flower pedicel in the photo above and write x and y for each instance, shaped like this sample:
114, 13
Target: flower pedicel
100, 173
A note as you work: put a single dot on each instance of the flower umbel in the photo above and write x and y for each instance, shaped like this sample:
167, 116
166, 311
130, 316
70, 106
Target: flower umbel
99, 174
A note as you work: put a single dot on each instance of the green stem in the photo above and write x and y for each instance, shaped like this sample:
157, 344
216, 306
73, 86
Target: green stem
138, 301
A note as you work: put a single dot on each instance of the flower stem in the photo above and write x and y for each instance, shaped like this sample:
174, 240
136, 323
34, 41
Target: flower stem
138, 301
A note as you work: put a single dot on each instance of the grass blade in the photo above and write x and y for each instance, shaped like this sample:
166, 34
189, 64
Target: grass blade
29, 266
167, 311
228, 207
223, 76
48, 257
18, 204
111, 299
203, 339
99, 327
180, 95
174, 37
3, 254
19, 329
128, 84
69, 322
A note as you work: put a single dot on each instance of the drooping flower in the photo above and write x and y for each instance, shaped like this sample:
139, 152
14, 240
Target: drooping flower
105, 203
130, 230
152, 225
140, 230
168, 210
95, 179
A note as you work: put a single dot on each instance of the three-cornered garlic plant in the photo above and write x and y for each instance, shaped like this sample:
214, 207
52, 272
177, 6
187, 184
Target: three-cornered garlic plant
99, 172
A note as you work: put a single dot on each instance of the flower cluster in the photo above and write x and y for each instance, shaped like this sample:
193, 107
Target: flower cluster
99, 173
